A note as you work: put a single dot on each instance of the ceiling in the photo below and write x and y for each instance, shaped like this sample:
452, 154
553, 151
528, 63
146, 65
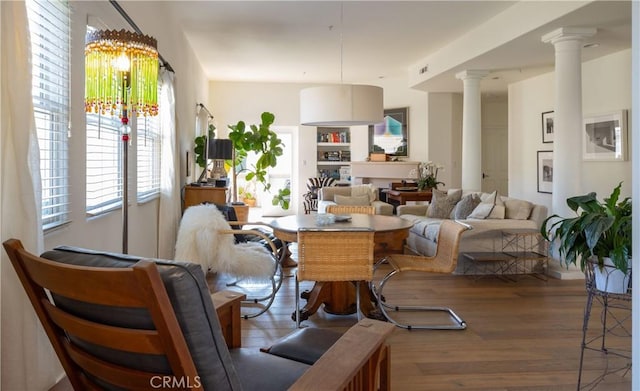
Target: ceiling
363, 41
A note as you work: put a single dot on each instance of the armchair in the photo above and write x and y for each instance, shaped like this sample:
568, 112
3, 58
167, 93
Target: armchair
311, 196
117, 321
353, 195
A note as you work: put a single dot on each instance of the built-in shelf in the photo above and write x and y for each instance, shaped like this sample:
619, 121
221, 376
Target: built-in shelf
334, 153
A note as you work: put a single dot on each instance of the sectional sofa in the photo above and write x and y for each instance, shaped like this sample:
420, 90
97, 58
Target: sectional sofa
489, 214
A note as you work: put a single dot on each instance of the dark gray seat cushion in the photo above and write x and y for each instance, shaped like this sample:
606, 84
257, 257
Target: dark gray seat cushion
265, 372
305, 345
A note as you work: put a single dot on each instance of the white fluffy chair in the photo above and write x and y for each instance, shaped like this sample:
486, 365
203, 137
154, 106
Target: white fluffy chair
206, 238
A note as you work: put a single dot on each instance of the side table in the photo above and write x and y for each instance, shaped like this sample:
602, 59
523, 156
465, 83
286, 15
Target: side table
522, 251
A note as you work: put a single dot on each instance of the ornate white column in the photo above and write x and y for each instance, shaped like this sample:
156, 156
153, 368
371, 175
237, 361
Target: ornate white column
567, 143
471, 129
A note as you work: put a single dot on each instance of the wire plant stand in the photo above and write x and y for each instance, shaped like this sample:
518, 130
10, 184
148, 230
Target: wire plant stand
611, 338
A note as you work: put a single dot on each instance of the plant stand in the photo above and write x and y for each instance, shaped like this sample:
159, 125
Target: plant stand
610, 341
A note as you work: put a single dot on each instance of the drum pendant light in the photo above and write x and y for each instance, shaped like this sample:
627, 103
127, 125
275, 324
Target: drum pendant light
341, 104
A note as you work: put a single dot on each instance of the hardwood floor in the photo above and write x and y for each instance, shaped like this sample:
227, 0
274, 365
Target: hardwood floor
522, 335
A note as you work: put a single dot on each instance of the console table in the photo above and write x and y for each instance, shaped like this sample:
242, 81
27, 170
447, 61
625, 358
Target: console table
194, 195
403, 196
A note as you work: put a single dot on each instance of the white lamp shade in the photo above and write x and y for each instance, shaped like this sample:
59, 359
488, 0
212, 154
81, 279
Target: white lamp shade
341, 105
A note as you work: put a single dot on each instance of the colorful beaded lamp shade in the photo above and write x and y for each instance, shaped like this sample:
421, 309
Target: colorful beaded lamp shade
121, 72
121, 75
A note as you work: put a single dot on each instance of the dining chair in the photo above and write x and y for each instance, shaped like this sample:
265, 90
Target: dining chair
117, 321
334, 255
444, 261
348, 209
205, 237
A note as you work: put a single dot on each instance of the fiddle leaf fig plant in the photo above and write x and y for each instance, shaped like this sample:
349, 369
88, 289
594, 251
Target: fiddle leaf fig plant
201, 144
599, 230
264, 142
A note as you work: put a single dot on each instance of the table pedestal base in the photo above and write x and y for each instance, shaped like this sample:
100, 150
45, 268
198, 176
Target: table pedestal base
338, 297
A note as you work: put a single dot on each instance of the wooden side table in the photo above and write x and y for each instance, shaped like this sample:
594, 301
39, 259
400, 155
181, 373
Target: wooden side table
195, 195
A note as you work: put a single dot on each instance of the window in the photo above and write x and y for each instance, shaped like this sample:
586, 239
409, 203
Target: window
50, 32
149, 148
104, 163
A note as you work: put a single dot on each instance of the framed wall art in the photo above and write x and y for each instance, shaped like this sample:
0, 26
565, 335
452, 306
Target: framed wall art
391, 135
547, 127
545, 171
604, 136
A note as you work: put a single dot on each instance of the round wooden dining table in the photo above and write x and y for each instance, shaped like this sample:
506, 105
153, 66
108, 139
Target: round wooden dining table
390, 233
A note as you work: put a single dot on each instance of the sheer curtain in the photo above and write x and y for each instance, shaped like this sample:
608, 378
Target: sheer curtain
169, 210
28, 360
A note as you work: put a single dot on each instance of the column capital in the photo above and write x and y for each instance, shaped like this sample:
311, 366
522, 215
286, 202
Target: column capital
472, 74
568, 33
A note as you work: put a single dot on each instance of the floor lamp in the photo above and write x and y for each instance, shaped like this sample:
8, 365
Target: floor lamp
121, 76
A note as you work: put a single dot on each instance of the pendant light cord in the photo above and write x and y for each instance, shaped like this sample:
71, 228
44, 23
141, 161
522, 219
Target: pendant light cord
341, 41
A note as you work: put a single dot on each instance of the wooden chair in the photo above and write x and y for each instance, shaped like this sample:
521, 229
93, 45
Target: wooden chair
334, 255
119, 322
444, 261
137, 287
349, 209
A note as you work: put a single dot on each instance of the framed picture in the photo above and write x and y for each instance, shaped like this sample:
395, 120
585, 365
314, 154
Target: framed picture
545, 171
604, 136
391, 135
547, 127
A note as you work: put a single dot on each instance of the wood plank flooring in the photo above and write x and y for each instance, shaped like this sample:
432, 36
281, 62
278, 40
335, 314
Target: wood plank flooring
522, 335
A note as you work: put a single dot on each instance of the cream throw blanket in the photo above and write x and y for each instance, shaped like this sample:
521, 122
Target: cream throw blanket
200, 242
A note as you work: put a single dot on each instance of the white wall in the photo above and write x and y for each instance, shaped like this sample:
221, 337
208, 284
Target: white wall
445, 136
231, 102
606, 87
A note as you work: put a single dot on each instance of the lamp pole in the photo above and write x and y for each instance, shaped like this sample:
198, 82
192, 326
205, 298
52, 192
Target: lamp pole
125, 130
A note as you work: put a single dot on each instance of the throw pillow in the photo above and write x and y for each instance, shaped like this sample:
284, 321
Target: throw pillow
498, 210
442, 203
518, 209
466, 206
368, 190
357, 200
484, 208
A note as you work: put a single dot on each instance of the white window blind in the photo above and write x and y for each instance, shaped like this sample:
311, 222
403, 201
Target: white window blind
149, 149
50, 42
104, 163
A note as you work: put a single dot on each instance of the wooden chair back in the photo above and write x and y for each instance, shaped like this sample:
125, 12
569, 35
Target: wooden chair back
335, 255
76, 339
349, 209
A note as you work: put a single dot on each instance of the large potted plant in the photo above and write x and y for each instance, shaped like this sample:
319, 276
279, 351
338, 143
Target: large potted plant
263, 141
599, 236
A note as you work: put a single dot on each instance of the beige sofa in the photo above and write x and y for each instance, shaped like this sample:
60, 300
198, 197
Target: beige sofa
485, 235
352, 195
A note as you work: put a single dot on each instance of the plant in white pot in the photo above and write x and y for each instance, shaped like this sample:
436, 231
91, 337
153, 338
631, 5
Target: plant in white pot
599, 234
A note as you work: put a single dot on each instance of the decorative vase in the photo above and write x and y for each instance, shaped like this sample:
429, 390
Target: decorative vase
609, 279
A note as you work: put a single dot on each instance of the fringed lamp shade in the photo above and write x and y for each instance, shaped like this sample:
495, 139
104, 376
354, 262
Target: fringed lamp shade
121, 72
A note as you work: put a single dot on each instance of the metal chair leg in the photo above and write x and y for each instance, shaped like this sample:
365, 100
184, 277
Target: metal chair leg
297, 301
457, 324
